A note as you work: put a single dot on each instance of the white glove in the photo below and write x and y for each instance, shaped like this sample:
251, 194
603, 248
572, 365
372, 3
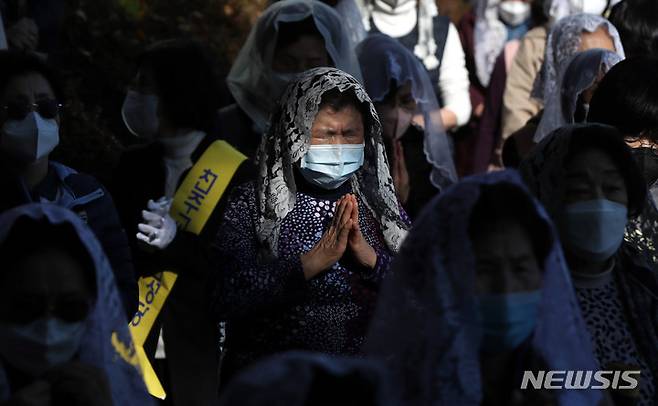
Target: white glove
158, 229
161, 206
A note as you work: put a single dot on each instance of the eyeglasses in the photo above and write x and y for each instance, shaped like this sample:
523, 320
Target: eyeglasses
47, 108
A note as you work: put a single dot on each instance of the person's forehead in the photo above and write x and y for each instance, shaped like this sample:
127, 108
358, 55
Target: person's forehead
28, 84
592, 160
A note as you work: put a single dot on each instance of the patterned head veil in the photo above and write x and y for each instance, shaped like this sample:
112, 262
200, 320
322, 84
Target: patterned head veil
288, 140
562, 44
579, 75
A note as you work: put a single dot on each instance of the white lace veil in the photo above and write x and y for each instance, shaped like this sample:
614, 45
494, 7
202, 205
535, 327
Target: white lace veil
489, 38
251, 77
562, 44
580, 74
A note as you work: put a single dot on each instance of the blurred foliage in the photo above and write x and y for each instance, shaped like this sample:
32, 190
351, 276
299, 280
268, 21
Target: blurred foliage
100, 41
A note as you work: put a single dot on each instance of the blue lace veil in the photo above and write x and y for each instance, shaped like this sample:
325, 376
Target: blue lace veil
106, 344
423, 325
294, 378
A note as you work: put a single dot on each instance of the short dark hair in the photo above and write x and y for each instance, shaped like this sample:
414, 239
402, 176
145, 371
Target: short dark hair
28, 236
627, 98
637, 24
611, 142
337, 101
186, 84
506, 201
15, 63
538, 12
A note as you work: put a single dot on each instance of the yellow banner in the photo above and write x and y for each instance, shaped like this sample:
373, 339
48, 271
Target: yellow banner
194, 202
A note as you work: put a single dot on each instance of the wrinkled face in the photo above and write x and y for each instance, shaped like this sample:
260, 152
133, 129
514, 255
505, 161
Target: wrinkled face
600, 38
396, 111
50, 283
306, 53
592, 174
22, 92
505, 260
344, 126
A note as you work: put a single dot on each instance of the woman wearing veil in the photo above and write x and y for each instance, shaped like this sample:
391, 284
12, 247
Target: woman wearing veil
64, 339
304, 248
416, 143
291, 36
488, 297
518, 106
570, 35
576, 86
627, 99
586, 177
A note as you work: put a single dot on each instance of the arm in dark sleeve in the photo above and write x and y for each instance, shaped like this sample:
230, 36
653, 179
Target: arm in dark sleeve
189, 253
104, 220
244, 285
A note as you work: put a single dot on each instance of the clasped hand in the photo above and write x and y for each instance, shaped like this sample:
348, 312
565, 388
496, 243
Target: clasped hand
344, 234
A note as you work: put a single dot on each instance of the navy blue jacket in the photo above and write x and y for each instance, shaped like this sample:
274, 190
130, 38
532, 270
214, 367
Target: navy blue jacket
86, 197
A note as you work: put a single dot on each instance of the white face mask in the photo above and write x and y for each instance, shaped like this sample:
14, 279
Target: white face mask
31, 138
330, 165
589, 6
140, 114
514, 12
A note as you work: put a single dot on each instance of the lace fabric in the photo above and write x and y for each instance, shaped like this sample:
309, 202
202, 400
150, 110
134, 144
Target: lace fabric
251, 77
544, 169
580, 73
562, 44
423, 326
383, 60
490, 37
288, 140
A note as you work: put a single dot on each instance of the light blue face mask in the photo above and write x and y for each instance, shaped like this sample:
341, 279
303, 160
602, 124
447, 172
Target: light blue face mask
507, 319
36, 347
594, 229
330, 165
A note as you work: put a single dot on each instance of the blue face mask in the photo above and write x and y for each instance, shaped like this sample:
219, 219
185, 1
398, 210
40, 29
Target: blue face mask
594, 229
36, 347
330, 165
507, 319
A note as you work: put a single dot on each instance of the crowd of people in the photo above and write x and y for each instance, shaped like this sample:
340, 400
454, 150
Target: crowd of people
394, 209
